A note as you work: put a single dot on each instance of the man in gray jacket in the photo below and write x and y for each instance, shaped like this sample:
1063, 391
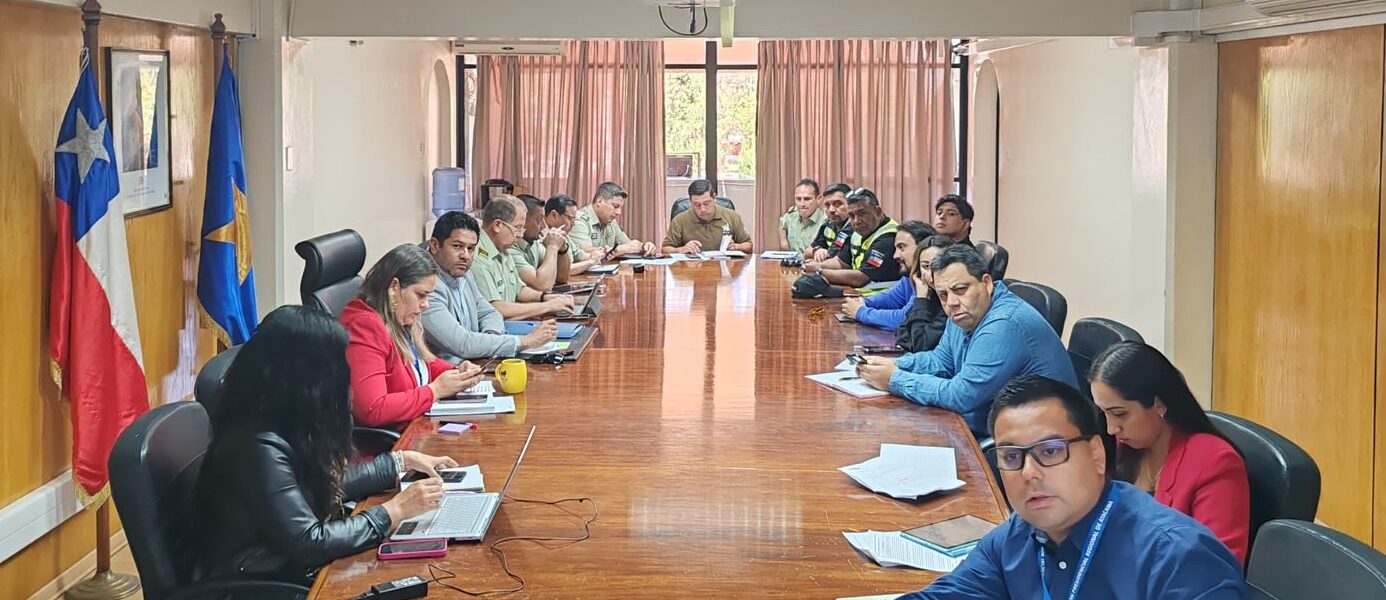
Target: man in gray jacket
458, 323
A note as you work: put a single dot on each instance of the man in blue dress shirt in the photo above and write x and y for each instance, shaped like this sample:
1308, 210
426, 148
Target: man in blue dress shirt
992, 336
1076, 533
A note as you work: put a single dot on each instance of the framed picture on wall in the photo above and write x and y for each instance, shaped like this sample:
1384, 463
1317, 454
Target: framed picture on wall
138, 101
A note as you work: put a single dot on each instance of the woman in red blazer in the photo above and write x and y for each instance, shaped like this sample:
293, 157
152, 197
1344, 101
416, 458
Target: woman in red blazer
394, 378
1167, 446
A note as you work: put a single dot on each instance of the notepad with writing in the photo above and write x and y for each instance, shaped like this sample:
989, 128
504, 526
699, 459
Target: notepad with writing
848, 382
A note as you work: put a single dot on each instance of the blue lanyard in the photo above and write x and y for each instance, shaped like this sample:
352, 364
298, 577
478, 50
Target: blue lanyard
1089, 548
418, 372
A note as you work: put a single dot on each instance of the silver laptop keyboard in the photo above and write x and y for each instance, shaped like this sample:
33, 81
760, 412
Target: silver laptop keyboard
459, 513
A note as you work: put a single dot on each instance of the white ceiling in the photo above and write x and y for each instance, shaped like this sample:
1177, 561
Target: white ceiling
634, 19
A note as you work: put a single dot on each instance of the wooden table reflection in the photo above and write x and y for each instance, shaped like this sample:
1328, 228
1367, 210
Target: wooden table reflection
712, 460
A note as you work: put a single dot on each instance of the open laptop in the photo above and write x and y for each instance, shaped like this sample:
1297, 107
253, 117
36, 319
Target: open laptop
589, 308
463, 515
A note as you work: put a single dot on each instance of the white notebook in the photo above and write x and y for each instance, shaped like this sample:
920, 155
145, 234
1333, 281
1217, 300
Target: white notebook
492, 405
471, 482
848, 382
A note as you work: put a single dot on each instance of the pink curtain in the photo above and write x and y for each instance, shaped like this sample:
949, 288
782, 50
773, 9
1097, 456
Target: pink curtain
567, 123
871, 113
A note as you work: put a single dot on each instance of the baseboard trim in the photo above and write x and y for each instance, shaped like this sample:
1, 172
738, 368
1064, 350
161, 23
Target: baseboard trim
77, 573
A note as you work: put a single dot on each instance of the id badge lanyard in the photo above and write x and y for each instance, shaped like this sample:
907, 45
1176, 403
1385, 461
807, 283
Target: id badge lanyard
418, 370
1099, 525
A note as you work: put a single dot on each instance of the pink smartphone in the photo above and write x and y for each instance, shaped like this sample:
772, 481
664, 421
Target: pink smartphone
413, 549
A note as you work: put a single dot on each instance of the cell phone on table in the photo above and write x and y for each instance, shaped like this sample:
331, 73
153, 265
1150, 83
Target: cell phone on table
464, 398
856, 359
447, 476
878, 349
841, 318
413, 549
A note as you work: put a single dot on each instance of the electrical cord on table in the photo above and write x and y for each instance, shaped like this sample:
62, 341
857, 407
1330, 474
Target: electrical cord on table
434, 569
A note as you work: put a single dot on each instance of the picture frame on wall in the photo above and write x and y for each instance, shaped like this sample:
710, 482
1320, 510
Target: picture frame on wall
137, 89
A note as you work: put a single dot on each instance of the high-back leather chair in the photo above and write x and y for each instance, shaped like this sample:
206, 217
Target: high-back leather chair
1298, 560
1047, 300
1090, 337
331, 270
683, 204
207, 390
210, 379
154, 466
1284, 479
996, 258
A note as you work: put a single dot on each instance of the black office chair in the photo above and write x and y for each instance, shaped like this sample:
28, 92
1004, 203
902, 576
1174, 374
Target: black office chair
154, 466
996, 257
1283, 477
1298, 560
1090, 337
207, 391
683, 204
1047, 300
331, 270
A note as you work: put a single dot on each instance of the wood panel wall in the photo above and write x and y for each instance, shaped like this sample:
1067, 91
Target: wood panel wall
39, 47
1299, 210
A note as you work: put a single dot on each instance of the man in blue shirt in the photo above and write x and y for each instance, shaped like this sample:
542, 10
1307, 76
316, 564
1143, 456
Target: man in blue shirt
1076, 533
992, 336
888, 309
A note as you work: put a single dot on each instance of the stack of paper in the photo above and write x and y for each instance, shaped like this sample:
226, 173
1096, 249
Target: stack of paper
653, 262
848, 382
907, 471
472, 482
889, 549
491, 406
555, 346
778, 254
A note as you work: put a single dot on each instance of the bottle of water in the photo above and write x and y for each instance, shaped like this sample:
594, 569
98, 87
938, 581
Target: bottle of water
449, 190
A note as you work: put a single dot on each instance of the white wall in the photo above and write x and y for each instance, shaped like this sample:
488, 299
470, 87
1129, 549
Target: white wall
362, 133
1067, 210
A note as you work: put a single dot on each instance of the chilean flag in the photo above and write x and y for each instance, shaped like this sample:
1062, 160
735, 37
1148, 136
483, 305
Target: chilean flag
93, 334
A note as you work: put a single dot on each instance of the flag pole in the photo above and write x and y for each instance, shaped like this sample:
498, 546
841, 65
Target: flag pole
105, 584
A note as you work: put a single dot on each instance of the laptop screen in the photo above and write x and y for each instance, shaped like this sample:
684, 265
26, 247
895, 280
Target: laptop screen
515, 468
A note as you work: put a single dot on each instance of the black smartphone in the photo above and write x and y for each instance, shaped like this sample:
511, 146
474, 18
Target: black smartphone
464, 398
447, 476
878, 349
856, 359
841, 318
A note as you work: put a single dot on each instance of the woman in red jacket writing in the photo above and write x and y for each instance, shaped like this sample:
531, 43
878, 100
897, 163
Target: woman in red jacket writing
1167, 446
394, 378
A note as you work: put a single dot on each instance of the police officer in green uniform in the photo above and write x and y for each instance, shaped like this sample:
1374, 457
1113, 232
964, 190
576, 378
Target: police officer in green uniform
835, 232
541, 254
802, 222
494, 271
868, 257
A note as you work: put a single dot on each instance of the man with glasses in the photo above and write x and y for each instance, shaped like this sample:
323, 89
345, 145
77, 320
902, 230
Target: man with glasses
495, 273
868, 257
992, 336
1075, 532
833, 235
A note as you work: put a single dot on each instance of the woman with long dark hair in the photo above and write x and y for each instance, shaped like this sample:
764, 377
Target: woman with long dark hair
394, 377
924, 322
270, 491
1166, 444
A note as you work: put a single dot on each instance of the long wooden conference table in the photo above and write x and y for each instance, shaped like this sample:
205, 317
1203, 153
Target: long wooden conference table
712, 461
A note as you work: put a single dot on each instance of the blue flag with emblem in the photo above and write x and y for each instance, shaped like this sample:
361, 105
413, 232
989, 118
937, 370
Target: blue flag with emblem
225, 278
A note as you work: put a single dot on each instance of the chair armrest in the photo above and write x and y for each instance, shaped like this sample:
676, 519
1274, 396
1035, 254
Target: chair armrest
269, 590
371, 440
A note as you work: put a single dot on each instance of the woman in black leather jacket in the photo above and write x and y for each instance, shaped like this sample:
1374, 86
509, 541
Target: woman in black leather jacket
269, 495
923, 325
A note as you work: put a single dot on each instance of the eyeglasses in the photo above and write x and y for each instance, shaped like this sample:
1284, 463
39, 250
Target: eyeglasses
1048, 453
513, 229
